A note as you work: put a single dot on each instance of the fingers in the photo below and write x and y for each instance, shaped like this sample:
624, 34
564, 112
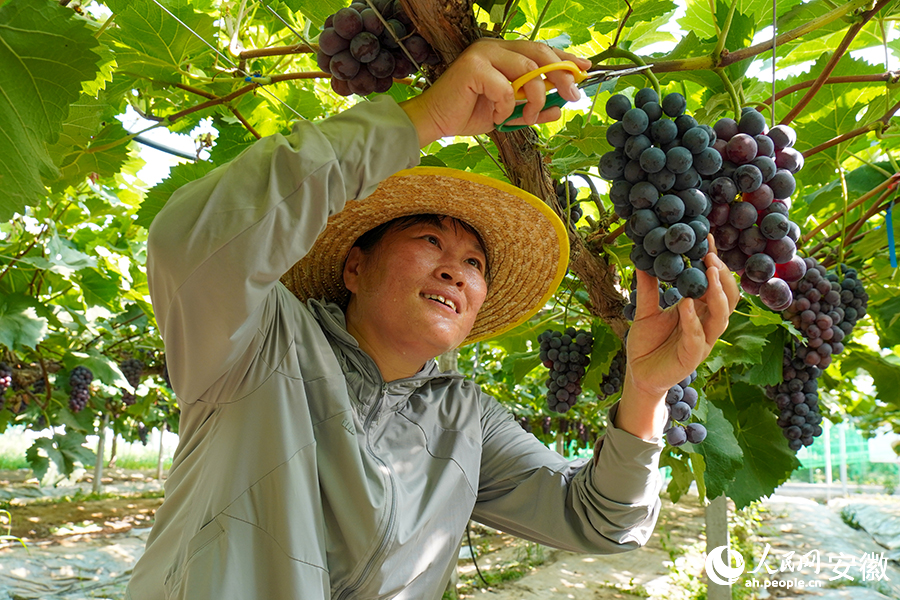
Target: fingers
728, 284
647, 296
513, 59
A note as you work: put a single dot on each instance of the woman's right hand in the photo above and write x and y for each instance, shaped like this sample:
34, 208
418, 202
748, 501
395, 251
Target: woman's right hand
475, 93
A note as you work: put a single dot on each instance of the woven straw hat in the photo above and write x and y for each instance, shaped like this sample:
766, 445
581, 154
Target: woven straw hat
526, 243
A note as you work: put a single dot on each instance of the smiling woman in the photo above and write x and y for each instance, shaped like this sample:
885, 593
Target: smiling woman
323, 453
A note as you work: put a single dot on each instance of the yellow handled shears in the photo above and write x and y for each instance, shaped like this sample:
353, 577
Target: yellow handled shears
582, 79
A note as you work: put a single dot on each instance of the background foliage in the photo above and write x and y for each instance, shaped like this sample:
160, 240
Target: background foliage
74, 214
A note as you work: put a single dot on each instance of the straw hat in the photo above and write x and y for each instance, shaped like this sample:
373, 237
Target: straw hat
527, 245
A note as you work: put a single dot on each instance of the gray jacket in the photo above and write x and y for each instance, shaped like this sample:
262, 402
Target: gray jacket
300, 473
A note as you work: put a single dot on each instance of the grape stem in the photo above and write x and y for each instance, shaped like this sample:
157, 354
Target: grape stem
614, 52
720, 44
278, 51
622, 23
888, 77
877, 126
729, 87
832, 62
540, 20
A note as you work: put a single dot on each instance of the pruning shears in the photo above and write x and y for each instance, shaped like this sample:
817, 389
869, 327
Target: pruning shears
582, 78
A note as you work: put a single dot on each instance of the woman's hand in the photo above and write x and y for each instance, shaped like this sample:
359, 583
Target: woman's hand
665, 346
475, 93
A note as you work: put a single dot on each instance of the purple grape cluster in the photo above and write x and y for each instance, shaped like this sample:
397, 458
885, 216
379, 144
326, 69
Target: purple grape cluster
751, 197
681, 399
668, 296
567, 196
5, 382
567, 355
614, 378
656, 168
132, 369
80, 383
142, 433
825, 308
360, 47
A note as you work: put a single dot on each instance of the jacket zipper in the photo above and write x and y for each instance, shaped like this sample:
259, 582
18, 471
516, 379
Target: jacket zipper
390, 525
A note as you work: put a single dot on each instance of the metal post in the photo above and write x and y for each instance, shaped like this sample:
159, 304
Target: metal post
98, 465
842, 438
827, 429
717, 535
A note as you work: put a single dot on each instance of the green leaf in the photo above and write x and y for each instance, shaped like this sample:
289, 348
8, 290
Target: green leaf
887, 321
64, 257
317, 11
104, 369
606, 345
20, 325
38, 461
682, 476
159, 194
885, 371
742, 342
721, 452
768, 371
99, 289
521, 364
766, 461
698, 466
152, 43
45, 55
101, 156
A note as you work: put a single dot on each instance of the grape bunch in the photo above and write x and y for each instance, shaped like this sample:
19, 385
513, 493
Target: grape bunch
656, 168
566, 195
142, 433
751, 196
567, 355
132, 370
360, 47
80, 382
612, 381
797, 399
5, 379
680, 401
825, 308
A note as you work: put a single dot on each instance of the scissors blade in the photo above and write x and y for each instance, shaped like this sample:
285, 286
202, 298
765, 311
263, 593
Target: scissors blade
594, 77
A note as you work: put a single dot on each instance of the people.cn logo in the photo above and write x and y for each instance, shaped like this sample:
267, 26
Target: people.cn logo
719, 569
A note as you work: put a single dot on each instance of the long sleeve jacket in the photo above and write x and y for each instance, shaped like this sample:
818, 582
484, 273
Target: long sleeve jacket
299, 472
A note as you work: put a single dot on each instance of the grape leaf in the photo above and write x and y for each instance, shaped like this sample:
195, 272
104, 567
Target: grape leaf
768, 371
99, 289
45, 55
742, 342
159, 194
720, 450
149, 41
697, 18
887, 322
20, 325
606, 345
682, 477
885, 371
521, 364
767, 460
317, 11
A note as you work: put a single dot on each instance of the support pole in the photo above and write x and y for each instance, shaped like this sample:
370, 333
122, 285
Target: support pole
159, 461
827, 429
717, 535
842, 437
101, 451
